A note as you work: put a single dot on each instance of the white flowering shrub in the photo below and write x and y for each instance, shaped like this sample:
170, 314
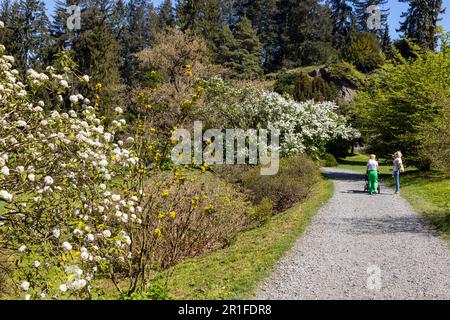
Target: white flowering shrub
304, 126
64, 205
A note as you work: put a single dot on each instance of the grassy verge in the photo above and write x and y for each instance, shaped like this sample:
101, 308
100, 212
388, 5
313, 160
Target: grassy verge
359, 163
236, 271
427, 192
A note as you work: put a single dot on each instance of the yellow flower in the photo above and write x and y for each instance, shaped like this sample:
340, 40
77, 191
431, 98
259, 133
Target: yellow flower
195, 201
152, 130
208, 209
161, 215
173, 214
186, 103
200, 90
189, 74
98, 87
158, 156
158, 233
165, 193
149, 106
188, 66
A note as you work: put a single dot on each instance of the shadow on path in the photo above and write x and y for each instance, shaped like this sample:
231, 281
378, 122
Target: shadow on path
387, 225
344, 176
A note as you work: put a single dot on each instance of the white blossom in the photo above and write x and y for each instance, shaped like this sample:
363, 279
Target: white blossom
106, 233
66, 246
25, 285
5, 195
48, 180
56, 232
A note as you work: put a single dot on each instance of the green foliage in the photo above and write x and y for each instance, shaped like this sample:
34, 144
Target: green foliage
365, 52
264, 210
302, 87
156, 291
400, 100
26, 32
329, 160
241, 50
293, 182
346, 74
304, 33
341, 15
420, 22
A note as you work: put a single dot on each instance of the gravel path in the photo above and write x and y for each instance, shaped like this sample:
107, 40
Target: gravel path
363, 247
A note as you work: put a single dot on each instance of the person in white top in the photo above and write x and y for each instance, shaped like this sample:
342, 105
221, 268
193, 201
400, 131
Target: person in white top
398, 168
372, 174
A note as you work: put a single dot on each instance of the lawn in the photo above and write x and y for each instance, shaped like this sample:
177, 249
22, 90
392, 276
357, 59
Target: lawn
427, 192
235, 272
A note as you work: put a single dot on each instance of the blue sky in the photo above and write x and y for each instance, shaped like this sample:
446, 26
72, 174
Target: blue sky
395, 6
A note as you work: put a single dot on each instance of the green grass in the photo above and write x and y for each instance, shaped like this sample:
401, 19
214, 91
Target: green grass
427, 192
235, 272
359, 163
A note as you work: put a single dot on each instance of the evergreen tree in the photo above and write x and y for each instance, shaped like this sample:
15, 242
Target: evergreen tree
341, 14
204, 18
136, 38
241, 51
248, 50
363, 15
188, 14
62, 37
97, 51
262, 13
166, 16
27, 32
420, 22
8, 14
227, 51
303, 33
386, 43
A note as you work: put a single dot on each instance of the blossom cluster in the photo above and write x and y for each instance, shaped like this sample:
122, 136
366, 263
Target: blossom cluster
304, 126
63, 214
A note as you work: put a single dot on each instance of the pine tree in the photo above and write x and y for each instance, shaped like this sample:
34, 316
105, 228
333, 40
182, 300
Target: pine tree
227, 51
363, 15
341, 14
8, 14
420, 22
166, 16
204, 18
136, 37
248, 51
97, 51
386, 43
303, 33
62, 37
262, 13
28, 32
188, 14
